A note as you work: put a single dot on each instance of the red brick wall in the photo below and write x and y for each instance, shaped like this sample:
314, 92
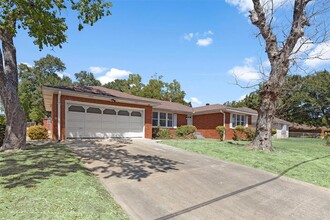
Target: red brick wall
148, 113
207, 123
181, 120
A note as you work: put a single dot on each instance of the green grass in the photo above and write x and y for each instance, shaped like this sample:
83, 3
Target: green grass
303, 159
49, 182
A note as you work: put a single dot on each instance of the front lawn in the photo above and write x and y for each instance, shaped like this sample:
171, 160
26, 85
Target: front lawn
49, 182
304, 159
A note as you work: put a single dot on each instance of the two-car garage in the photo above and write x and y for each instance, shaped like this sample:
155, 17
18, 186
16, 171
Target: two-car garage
103, 121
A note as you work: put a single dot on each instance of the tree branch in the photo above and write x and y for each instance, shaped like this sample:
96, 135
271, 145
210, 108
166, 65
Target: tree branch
258, 18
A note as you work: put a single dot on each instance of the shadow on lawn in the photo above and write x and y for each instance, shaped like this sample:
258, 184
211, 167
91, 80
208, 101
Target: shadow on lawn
36, 163
114, 158
222, 197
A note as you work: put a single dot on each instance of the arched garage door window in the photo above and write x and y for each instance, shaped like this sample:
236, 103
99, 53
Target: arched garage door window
76, 108
136, 114
123, 113
94, 110
109, 112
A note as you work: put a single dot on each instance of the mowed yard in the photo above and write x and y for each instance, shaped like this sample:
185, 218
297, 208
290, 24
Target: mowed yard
304, 159
48, 182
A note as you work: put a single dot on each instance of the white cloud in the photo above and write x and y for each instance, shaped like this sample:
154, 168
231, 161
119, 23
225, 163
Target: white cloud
26, 63
247, 72
188, 36
319, 56
61, 74
113, 74
97, 69
242, 97
247, 5
194, 101
202, 39
204, 42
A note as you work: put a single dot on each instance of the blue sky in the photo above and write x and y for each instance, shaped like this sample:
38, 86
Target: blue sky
200, 43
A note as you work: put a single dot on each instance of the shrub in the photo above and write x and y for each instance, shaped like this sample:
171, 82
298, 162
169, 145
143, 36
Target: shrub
274, 131
250, 134
2, 120
155, 132
185, 130
2, 133
164, 133
239, 133
221, 131
37, 132
327, 138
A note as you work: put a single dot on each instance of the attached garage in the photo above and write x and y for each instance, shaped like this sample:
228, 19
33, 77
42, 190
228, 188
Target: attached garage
103, 121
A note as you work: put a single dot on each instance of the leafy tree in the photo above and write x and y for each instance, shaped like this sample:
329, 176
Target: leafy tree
45, 23
85, 78
31, 79
173, 92
132, 85
155, 88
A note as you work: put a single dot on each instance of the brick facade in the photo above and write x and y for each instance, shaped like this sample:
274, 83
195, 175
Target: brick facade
207, 123
181, 120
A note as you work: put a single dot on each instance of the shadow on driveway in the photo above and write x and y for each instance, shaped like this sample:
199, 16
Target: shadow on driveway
112, 159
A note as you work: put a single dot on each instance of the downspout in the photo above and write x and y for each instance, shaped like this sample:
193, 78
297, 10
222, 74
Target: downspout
59, 116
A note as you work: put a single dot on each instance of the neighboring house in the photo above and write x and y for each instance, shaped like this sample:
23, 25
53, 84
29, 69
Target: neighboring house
90, 112
281, 126
298, 130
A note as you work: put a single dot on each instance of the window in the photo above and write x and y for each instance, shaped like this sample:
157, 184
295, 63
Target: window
238, 120
123, 113
94, 110
109, 112
162, 119
136, 114
75, 108
155, 119
169, 120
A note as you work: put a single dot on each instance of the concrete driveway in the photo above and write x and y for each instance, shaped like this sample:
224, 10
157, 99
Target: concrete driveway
154, 181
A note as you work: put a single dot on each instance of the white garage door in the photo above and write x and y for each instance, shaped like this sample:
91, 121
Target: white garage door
87, 121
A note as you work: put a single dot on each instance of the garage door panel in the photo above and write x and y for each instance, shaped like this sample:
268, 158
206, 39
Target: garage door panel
75, 116
109, 122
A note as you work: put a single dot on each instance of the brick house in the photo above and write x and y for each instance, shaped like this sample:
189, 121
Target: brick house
98, 112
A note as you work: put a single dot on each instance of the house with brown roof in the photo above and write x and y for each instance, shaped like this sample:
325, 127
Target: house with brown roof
98, 112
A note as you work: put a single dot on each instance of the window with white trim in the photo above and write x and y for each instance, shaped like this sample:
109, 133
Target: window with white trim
162, 119
237, 119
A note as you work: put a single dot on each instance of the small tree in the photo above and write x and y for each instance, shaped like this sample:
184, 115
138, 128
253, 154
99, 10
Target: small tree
221, 131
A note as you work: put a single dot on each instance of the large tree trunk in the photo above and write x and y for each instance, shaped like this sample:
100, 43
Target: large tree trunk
15, 134
266, 113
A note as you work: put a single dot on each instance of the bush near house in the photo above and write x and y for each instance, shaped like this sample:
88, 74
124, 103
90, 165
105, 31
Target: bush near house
250, 133
221, 131
239, 133
37, 132
327, 138
185, 130
274, 131
164, 133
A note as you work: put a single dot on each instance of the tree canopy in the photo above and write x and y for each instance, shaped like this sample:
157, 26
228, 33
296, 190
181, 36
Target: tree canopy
31, 79
303, 99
